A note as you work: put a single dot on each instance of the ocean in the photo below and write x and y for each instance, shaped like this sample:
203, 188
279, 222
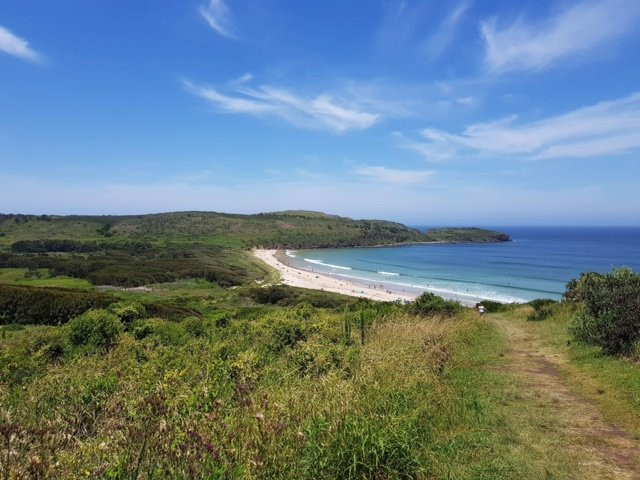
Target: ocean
538, 263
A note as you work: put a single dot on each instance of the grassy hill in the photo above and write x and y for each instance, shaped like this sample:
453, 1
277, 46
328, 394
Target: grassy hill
191, 379
135, 250
288, 229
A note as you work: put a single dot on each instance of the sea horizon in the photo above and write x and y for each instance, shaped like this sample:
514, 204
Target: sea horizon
537, 263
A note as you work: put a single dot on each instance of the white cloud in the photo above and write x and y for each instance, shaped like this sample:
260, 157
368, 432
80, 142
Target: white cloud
394, 176
18, 47
606, 128
582, 28
218, 16
438, 42
317, 112
465, 101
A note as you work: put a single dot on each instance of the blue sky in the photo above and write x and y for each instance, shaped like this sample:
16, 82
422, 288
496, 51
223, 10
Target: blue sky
426, 112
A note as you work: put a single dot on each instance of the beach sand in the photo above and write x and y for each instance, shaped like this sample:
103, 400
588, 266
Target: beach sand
302, 278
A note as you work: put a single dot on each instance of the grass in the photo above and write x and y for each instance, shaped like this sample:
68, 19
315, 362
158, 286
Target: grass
613, 383
277, 393
20, 276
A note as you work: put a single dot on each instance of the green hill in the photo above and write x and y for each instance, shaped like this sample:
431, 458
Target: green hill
136, 250
288, 229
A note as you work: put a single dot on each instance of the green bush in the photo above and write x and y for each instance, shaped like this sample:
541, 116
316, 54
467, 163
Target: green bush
609, 310
127, 311
429, 304
285, 296
195, 326
285, 332
46, 306
543, 308
161, 332
538, 303
96, 328
541, 313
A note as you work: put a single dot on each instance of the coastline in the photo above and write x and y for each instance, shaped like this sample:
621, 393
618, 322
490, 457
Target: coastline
298, 277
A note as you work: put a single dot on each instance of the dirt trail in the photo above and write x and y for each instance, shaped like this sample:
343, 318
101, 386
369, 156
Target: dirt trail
613, 453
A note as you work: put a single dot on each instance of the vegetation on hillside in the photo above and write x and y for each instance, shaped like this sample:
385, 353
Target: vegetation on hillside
193, 380
132, 251
471, 235
289, 229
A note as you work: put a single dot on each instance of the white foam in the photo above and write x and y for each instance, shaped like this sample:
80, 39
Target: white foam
393, 274
289, 254
318, 262
448, 292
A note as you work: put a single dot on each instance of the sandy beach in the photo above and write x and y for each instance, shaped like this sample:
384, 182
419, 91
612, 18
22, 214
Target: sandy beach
302, 278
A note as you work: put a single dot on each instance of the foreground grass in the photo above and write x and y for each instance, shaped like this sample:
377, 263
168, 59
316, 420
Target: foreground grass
279, 392
613, 383
283, 395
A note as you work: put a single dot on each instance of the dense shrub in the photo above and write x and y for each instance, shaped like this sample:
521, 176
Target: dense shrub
285, 332
196, 326
609, 310
429, 304
132, 264
543, 308
161, 332
539, 303
128, 311
46, 306
169, 310
99, 329
43, 246
284, 295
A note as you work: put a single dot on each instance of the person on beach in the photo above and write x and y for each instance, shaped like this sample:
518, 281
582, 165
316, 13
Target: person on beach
481, 309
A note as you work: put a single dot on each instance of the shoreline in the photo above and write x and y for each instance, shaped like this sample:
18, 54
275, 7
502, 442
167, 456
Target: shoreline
398, 244
299, 277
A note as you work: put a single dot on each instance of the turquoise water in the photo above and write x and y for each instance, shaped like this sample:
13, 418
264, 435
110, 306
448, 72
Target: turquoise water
536, 264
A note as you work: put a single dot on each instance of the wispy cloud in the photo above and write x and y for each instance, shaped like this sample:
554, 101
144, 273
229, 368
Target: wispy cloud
316, 112
438, 42
606, 128
394, 176
18, 47
218, 16
524, 45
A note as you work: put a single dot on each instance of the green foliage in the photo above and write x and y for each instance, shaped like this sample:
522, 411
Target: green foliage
543, 308
467, 234
284, 295
46, 306
53, 245
285, 331
134, 264
288, 229
429, 304
128, 311
538, 303
491, 306
196, 326
609, 313
161, 332
96, 329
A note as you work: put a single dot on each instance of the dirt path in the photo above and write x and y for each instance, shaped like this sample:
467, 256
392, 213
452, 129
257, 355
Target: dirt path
610, 451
